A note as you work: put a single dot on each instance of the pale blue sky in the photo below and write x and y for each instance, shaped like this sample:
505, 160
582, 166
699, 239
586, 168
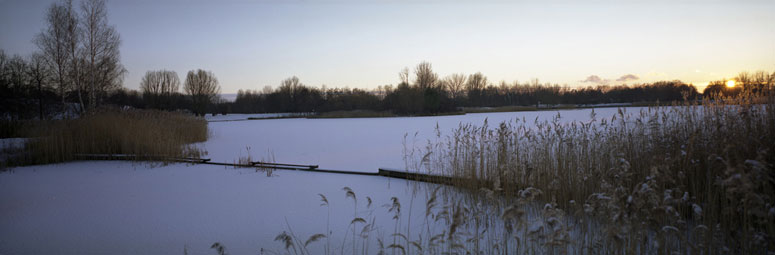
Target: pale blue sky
364, 44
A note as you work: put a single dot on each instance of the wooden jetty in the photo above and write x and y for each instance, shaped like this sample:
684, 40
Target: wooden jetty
386, 172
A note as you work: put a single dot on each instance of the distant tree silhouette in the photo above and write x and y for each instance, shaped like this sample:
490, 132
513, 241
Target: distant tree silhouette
475, 88
455, 84
425, 77
403, 75
203, 88
159, 88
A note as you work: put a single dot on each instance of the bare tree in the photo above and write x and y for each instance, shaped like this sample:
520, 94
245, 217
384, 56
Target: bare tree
426, 78
53, 43
455, 83
170, 83
203, 88
158, 87
14, 87
17, 73
162, 82
267, 90
39, 75
476, 82
101, 51
761, 79
72, 41
151, 83
290, 86
403, 75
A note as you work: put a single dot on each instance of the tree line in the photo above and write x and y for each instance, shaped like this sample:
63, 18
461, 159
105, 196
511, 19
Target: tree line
429, 94
77, 68
78, 60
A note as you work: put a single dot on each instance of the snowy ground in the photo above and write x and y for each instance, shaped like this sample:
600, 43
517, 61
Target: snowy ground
357, 144
114, 207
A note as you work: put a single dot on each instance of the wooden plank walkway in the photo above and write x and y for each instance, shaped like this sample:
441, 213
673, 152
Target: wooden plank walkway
385, 172
392, 173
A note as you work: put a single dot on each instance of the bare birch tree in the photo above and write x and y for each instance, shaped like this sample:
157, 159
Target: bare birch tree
101, 51
72, 40
53, 44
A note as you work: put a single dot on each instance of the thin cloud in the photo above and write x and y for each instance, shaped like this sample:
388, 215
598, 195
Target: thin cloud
595, 79
628, 77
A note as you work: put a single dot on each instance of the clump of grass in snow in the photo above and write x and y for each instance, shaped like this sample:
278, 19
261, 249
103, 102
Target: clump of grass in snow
218, 247
244, 160
146, 134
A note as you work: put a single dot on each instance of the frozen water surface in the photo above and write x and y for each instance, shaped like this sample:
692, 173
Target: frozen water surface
115, 207
356, 144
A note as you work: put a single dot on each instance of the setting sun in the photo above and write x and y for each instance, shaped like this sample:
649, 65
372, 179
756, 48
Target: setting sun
730, 83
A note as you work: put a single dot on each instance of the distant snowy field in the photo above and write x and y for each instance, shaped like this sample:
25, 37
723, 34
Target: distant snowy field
114, 207
357, 144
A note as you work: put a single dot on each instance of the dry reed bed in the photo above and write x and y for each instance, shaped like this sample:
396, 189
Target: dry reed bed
144, 133
686, 178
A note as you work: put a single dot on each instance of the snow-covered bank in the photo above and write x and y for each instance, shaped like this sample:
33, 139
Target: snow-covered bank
114, 207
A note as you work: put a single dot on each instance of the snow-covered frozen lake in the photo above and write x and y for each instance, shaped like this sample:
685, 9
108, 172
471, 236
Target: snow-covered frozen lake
114, 207
356, 144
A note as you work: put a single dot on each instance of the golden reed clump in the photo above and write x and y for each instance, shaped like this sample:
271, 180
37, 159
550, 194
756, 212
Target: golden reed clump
143, 134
